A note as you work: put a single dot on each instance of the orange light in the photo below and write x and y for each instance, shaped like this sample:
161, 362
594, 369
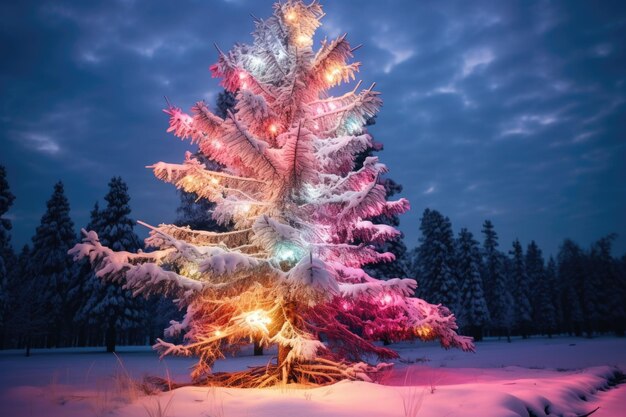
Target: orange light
273, 129
333, 74
302, 40
215, 181
423, 331
258, 319
291, 16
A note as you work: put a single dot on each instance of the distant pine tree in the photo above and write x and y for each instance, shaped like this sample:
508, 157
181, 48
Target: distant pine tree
521, 291
435, 261
85, 291
541, 291
115, 308
550, 308
497, 290
7, 257
51, 266
28, 317
474, 314
608, 293
571, 276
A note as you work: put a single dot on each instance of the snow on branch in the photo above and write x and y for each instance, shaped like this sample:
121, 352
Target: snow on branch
297, 156
249, 150
313, 280
336, 155
374, 233
137, 271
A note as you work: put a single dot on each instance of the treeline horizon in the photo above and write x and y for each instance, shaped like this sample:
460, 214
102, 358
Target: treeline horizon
504, 290
47, 300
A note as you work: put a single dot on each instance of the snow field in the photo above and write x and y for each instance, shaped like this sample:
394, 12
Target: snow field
545, 377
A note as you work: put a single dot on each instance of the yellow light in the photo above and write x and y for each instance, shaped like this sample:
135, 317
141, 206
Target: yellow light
245, 208
215, 181
302, 40
333, 74
218, 333
188, 181
273, 129
291, 16
258, 319
423, 331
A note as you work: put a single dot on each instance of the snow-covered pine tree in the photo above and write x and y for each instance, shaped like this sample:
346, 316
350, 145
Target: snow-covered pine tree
51, 266
290, 272
7, 257
85, 292
110, 304
571, 276
522, 310
473, 313
498, 295
435, 260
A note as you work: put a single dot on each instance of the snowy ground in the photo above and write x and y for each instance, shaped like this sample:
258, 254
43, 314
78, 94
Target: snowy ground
555, 377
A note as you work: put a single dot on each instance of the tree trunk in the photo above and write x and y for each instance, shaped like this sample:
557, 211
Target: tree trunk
110, 337
284, 368
283, 351
258, 349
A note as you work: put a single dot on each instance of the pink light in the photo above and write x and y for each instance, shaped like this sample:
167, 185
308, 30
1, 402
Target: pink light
345, 305
386, 300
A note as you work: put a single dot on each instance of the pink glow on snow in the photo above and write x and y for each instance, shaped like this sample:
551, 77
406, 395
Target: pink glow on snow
500, 379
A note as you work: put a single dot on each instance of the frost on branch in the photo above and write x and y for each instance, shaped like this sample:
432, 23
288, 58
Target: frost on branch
302, 219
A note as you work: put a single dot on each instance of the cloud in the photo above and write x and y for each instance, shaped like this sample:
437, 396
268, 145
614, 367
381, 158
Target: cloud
40, 142
474, 59
430, 190
395, 45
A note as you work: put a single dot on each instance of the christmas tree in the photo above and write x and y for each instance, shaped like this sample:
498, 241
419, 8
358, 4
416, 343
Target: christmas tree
289, 271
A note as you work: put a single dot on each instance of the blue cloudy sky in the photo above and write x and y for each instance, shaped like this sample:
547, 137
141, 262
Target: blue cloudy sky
509, 110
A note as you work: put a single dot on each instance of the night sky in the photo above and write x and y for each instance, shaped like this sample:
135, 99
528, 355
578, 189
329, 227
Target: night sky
512, 111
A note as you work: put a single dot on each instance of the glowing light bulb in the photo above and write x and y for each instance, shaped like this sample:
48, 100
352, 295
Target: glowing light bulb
273, 129
291, 16
216, 144
345, 305
215, 181
423, 331
258, 319
245, 208
386, 299
320, 110
332, 106
243, 75
332, 75
302, 40
256, 61
218, 333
